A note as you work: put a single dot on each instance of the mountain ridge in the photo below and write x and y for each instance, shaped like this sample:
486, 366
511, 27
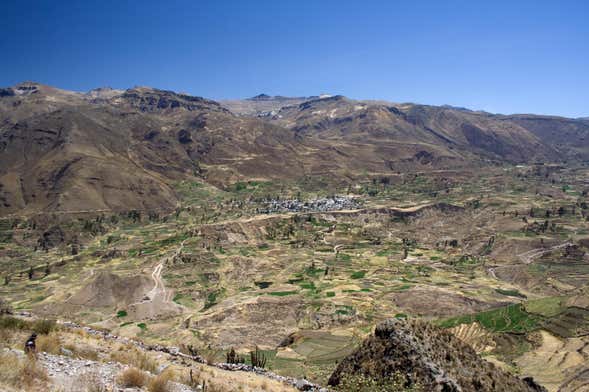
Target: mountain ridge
125, 149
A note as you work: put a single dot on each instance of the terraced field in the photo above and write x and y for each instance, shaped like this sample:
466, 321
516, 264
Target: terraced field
306, 286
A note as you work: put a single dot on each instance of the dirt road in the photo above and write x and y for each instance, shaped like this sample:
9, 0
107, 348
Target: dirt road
529, 256
159, 287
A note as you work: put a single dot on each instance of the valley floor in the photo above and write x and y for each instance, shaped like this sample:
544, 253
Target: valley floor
499, 259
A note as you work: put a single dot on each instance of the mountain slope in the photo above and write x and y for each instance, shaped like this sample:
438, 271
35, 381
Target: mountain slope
64, 151
126, 149
570, 137
430, 357
443, 132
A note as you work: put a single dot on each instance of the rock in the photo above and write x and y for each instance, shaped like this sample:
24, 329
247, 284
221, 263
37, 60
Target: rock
304, 385
425, 355
66, 352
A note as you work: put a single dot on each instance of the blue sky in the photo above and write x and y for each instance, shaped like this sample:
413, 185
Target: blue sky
500, 56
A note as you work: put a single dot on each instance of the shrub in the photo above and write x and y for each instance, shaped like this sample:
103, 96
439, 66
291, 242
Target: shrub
132, 377
161, 383
49, 343
9, 322
44, 327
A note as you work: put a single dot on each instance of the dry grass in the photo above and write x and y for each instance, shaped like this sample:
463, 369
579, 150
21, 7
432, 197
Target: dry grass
129, 355
13, 338
213, 387
44, 327
80, 332
22, 372
132, 377
49, 343
82, 351
191, 377
222, 381
161, 383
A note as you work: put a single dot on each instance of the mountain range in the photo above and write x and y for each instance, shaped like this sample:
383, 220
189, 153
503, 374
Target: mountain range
116, 150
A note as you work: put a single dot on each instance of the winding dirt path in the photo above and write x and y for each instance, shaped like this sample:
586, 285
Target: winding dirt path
529, 256
159, 288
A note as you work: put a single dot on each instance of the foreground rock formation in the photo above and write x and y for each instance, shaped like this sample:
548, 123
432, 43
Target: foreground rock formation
428, 356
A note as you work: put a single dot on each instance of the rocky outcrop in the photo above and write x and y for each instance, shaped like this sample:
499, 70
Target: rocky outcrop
430, 357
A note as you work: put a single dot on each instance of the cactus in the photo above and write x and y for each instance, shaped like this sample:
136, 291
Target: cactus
233, 357
257, 358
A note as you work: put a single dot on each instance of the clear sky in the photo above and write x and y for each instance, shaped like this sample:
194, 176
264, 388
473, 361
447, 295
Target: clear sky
501, 56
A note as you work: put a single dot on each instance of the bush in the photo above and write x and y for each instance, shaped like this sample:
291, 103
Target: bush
132, 377
49, 343
161, 383
44, 327
9, 322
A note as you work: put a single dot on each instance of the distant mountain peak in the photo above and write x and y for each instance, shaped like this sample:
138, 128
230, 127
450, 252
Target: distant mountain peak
149, 99
105, 88
260, 97
26, 88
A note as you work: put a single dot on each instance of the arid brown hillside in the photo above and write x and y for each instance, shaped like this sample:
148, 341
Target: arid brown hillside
61, 152
430, 357
65, 151
570, 137
426, 134
126, 149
